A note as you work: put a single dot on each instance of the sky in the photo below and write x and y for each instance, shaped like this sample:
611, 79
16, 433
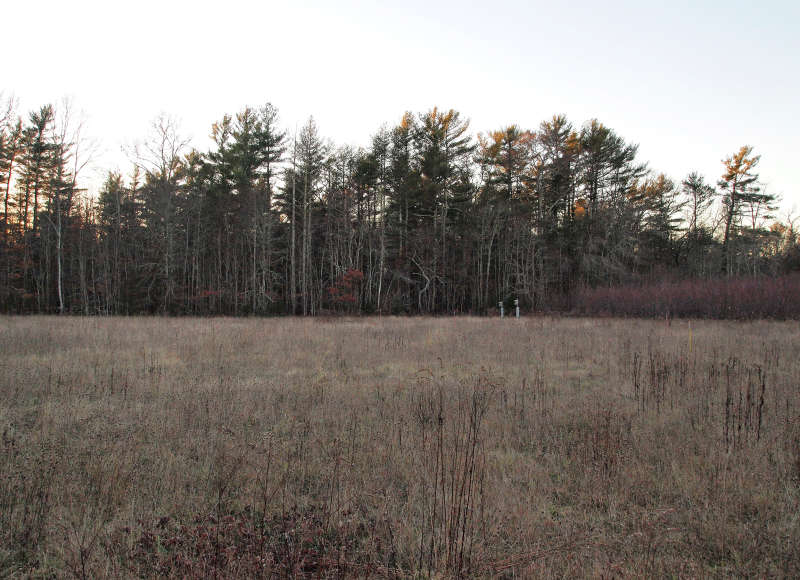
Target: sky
689, 81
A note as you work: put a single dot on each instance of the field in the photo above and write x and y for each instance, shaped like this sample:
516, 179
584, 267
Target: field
383, 447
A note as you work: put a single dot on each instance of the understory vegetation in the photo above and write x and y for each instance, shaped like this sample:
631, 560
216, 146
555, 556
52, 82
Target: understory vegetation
398, 448
738, 298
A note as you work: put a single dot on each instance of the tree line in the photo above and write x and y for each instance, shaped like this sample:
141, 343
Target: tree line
429, 218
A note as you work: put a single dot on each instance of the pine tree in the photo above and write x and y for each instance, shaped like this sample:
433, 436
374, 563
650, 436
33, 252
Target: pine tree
298, 202
741, 195
700, 197
10, 153
272, 146
657, 200
445, 149
37, 164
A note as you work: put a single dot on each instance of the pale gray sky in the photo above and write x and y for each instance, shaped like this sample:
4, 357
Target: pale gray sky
690, 81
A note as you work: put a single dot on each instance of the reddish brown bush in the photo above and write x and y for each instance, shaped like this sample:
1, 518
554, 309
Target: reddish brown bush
738, 298
345, 290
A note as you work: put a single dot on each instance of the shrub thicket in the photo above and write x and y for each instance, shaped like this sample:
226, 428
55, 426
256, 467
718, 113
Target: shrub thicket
737, 298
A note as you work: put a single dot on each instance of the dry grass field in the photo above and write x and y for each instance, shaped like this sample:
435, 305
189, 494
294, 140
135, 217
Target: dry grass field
383, 447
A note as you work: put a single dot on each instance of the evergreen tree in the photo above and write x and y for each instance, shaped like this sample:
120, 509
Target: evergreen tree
742, 196
657, 199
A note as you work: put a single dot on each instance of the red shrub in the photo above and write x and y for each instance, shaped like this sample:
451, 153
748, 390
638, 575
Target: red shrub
345, 290
737, 298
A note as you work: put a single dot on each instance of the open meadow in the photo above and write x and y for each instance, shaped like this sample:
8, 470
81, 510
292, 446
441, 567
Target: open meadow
398, 447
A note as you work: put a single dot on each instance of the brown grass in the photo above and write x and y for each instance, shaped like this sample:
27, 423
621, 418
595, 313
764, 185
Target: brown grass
398, 448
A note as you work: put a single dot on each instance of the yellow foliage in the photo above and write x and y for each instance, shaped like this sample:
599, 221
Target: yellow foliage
738, 165
580, 209
406, 121
778, 228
